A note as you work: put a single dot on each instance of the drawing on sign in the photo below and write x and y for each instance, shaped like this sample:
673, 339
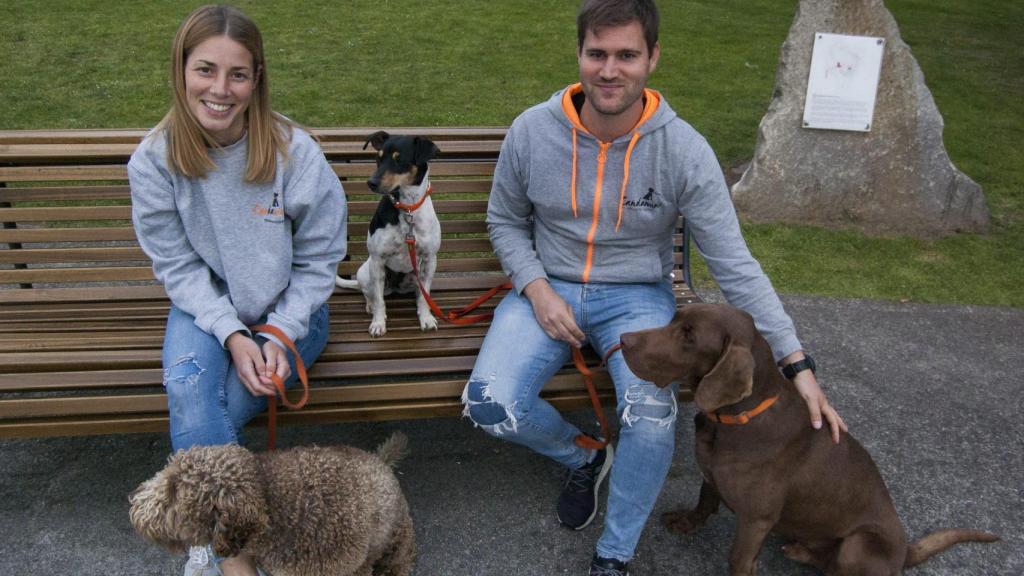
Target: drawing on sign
843, 82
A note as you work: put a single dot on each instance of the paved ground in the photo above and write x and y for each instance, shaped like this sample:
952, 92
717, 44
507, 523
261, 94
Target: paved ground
934, 392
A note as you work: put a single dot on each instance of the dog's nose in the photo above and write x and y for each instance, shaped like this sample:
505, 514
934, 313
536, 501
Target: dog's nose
628, 340
373, 184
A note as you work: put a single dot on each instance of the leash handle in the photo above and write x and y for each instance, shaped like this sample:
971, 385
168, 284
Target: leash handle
300, 369
584, 441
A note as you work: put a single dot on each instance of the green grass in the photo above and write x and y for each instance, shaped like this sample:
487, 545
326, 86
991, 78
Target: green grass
92, 64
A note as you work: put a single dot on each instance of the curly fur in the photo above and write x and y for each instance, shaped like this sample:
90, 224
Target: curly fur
298, 512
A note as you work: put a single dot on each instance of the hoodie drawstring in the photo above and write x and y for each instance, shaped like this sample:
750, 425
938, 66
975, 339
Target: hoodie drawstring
625, 175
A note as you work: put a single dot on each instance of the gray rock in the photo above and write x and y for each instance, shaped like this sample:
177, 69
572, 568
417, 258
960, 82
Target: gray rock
896, 179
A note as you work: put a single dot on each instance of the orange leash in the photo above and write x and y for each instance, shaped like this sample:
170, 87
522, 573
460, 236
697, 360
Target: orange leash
453, 316
460, 317
300, 368
584, 441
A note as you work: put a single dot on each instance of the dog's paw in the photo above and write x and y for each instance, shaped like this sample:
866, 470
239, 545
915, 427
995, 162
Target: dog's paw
378, 328
682, 521
428, 322
799, 553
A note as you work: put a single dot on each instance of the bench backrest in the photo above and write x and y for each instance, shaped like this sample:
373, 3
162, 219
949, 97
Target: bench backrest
66, 215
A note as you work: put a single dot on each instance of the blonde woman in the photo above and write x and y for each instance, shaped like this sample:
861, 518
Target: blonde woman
245, 223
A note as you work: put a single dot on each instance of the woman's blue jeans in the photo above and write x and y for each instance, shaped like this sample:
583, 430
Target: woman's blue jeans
516, 360
208, 403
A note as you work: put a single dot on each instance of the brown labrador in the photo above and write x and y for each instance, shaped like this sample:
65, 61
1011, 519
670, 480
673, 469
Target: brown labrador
764, 461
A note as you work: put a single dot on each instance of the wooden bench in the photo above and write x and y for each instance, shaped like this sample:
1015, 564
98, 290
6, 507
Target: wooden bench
82, 320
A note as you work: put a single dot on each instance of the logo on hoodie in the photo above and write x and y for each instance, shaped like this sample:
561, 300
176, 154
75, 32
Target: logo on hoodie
273, 214
648, 201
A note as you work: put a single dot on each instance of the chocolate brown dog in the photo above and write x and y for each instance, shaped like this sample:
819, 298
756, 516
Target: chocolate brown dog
760, 457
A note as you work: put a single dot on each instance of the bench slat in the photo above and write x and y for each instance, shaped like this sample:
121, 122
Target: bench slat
361, 170
135, 253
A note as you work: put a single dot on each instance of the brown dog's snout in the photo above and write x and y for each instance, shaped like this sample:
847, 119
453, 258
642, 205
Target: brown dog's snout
628, 340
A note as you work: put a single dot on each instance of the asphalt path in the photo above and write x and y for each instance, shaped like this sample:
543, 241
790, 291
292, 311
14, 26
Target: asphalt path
934, 392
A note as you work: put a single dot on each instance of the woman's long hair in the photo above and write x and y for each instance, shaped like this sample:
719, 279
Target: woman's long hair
188, 141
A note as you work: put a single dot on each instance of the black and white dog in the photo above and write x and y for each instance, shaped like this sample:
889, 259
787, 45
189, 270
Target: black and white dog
402, 180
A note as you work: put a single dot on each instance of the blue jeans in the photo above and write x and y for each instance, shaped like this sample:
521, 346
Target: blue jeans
207, 401
516, 360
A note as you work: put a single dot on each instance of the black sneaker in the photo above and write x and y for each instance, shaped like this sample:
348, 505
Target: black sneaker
577, 505
608, 567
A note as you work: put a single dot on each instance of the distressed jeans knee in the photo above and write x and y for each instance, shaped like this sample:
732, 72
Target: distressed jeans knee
181, 381
484, 411
646, 403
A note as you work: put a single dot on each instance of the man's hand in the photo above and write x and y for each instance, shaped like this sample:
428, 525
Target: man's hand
553, 313
817, 404
248, 361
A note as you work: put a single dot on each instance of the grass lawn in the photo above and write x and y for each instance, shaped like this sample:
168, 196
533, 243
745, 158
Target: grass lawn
91, 64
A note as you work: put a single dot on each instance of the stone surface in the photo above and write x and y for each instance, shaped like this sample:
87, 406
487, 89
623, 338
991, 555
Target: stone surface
896, 179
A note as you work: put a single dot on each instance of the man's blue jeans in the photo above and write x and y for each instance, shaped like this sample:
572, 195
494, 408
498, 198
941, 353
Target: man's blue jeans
208, 403
516, 360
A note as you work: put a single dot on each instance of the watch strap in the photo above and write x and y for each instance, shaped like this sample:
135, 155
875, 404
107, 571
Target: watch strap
792, 369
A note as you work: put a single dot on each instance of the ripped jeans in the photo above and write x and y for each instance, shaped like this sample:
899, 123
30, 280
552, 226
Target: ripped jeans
208, 403
517, 358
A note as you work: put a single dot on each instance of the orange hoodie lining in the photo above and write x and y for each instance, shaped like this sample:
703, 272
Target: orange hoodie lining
652, 99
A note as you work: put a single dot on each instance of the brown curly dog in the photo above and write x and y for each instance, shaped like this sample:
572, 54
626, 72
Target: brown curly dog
298, 512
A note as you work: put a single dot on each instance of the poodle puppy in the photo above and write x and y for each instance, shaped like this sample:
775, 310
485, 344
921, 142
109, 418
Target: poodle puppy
298, 512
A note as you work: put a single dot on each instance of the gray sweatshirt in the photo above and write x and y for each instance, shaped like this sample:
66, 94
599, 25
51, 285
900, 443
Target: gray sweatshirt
230, 252
566, 205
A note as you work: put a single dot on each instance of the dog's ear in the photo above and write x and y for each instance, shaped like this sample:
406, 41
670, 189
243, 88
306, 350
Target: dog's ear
238, 516
376, 140
152, 505
424, 150
731, 380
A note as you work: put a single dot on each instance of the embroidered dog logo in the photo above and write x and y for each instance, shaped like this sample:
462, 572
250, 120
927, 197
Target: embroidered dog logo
274, 214
648, 201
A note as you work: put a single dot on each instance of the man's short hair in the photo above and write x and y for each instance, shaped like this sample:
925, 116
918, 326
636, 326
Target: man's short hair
597, 14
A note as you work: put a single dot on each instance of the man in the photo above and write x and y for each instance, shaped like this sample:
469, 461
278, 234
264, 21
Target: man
586, 193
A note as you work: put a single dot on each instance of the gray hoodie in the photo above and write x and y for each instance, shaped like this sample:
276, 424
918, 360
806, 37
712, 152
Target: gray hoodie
230, 252
566, 205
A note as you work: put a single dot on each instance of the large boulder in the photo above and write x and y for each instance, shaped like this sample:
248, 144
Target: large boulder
895, 179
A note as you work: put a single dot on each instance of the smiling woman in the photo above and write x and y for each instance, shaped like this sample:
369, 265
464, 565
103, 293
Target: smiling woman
245, 223
219, 80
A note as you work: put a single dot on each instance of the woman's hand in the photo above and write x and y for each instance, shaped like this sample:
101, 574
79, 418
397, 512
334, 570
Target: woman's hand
249, 363
277, 361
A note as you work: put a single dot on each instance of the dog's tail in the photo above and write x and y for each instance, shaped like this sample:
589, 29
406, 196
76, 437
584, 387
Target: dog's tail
347, 284
936, 542
392, 450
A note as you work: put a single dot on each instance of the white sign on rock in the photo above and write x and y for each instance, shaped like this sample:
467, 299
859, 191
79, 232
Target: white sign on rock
843, 82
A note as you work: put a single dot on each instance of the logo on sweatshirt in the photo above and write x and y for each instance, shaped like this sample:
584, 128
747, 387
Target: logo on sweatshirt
273, 214
648, 201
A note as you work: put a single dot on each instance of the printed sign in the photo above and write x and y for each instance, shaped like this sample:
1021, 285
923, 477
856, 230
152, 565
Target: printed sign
843, 82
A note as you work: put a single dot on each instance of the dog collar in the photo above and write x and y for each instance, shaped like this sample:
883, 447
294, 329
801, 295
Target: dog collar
412, 207
742, 417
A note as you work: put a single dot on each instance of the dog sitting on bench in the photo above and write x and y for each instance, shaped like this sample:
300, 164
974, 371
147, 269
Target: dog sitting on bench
307, 511
760, 457
405, 208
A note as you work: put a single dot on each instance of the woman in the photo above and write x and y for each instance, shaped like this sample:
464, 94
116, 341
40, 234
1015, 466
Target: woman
245, 223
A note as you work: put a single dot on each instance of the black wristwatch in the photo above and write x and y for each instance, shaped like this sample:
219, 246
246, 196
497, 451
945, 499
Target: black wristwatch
791, 370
